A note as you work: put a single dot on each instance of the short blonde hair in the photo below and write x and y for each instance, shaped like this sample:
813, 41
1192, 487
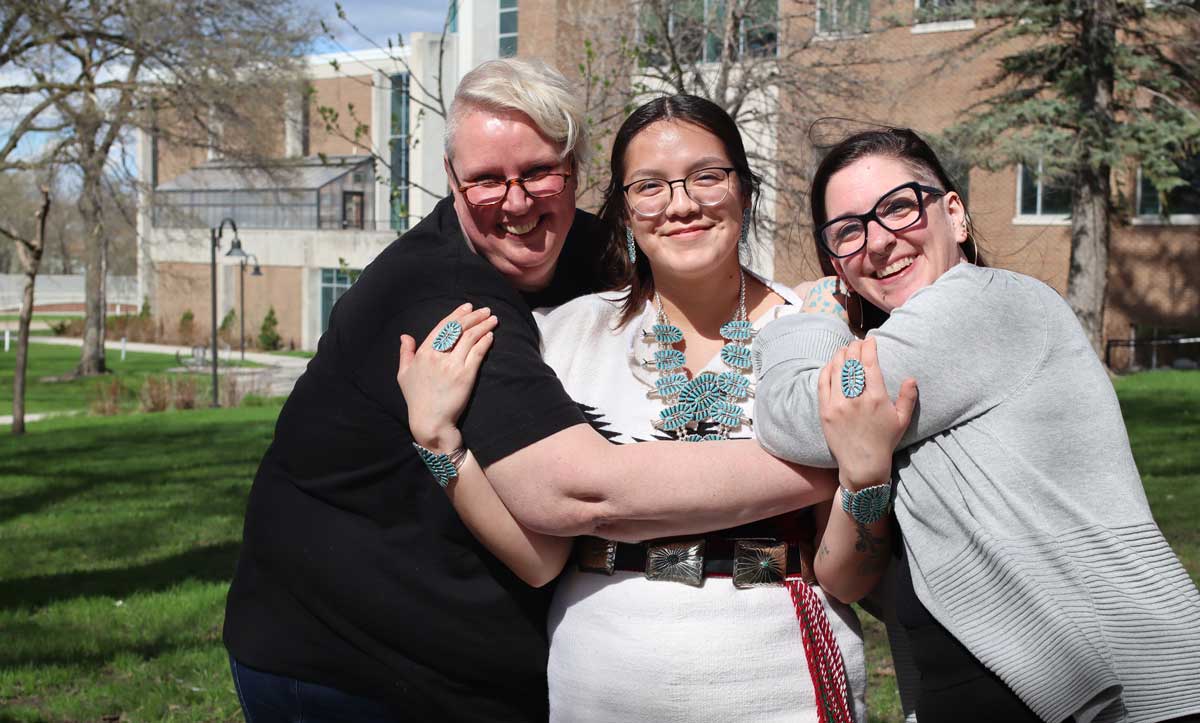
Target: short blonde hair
529, 86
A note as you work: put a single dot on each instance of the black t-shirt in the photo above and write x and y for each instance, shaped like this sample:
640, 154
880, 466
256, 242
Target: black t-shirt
355, 571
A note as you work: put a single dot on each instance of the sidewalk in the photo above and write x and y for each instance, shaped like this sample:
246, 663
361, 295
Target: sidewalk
278, 375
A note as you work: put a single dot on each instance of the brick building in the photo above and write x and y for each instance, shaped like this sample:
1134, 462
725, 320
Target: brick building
906, 60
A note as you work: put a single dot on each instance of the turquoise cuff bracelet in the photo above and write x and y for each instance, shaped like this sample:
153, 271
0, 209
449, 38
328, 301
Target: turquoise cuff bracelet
868, 505
443, 467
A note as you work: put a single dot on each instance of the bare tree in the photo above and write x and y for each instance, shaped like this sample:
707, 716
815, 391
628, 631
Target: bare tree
429, 97
757, 59
101, 69
30, 253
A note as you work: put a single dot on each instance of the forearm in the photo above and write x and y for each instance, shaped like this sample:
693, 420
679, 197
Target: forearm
789, 355
534, 557
577, 483
852, 556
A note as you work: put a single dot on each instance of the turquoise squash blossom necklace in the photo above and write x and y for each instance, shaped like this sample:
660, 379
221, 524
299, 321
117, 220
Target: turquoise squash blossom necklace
695, 406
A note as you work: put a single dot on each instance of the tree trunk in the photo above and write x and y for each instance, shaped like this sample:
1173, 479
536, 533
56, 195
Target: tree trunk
31, 258
1087, 280
91, 358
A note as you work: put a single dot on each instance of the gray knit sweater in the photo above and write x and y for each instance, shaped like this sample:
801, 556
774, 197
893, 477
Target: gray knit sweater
1028, 531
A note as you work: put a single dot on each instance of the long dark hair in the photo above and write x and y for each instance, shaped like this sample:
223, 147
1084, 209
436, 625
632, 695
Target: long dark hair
904, 145
685, 109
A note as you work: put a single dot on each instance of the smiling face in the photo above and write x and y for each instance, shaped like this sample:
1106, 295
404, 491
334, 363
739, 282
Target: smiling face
894, 265
522, 236
687, 240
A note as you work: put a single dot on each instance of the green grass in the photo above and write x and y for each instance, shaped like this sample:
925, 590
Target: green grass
47, 361
120, 535
48, 318
297, 353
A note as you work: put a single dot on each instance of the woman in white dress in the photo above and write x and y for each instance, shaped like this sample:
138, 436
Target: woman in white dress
724, 627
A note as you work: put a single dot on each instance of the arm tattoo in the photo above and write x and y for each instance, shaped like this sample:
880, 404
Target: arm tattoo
873, 548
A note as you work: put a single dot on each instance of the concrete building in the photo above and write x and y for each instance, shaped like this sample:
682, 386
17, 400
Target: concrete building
335, 200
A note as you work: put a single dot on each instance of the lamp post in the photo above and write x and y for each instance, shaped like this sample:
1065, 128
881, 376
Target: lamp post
235, 250
257, 271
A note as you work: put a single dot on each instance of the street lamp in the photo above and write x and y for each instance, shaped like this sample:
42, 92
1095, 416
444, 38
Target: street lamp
257, 271
235, 250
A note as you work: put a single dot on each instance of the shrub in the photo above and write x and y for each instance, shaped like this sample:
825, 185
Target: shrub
231, 391
132, 327
62, 327
183, 388
268, 336
144, 312
106, 399
187, 327
228, 330
156, 394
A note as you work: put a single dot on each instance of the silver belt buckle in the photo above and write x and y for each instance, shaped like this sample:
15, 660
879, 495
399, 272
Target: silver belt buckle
681, 561
593, 554
757, 563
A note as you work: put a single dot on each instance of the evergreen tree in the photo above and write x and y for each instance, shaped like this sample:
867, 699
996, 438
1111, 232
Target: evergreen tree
1096, 87
268, 336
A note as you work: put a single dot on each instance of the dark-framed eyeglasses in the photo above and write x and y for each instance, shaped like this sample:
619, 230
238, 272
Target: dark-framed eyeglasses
650, 196
896, 210
492, 192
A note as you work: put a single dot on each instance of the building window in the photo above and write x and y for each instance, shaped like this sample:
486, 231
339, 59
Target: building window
398, 145
1042, 196
694, 30
843, 17
334, 283
508, 28
933, 16
1182, 200
940, 11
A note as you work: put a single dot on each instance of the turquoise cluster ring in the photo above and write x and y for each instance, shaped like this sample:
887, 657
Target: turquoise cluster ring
447, 337
854, 378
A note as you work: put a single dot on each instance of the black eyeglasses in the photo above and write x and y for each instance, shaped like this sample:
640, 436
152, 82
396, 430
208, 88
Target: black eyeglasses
492, 192
650, 196
896, 210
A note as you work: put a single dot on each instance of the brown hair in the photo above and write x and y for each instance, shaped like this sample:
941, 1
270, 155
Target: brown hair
684, 109
904, 145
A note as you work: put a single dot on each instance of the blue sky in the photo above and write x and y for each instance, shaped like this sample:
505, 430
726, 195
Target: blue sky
379, 19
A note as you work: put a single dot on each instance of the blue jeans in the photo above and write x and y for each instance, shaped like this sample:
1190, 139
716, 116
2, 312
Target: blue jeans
270, 698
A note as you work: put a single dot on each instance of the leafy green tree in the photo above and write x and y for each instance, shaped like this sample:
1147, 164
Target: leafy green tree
1094, 87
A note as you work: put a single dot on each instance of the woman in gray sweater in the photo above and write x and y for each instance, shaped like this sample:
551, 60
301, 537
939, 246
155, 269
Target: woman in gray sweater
1033, 581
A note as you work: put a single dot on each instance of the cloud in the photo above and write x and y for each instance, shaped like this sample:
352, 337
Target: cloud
379, 20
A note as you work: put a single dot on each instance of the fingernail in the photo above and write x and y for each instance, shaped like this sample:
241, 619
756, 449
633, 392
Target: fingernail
485, 310
466, 306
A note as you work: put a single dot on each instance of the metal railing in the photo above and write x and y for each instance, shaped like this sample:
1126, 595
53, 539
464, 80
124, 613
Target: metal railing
1153, 346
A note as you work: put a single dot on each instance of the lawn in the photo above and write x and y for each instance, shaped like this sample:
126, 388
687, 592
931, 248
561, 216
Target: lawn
120, 535
47, 361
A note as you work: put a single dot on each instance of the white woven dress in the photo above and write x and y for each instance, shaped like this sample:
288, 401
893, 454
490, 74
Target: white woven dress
624, 648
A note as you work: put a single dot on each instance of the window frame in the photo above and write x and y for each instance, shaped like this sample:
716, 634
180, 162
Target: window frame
399, 132
1158, 218
710, 45
513, 10
1021, 218
938, 26
838, 33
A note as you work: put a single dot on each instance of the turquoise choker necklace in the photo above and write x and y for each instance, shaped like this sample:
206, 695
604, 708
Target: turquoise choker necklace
705, 408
